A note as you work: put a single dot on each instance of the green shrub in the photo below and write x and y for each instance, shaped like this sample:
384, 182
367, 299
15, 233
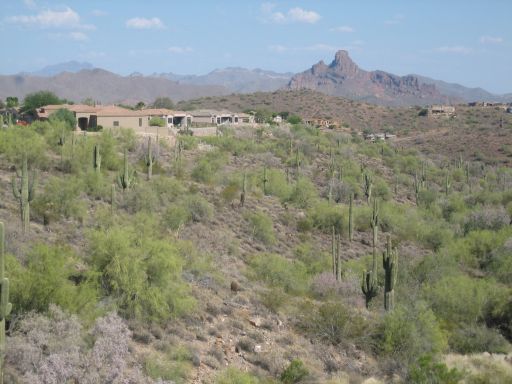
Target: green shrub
408, 333
207, 167
141, 272
198, 208
277, 271
16, 141
60, 199
261, 227
175, 365
476, 339
459, 299
324, 216
427, 371
234, 376
303, 194
176, 216
334, 323
51, 275
294, 373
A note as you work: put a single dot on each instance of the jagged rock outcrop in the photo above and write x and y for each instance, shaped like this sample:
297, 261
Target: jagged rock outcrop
344, 78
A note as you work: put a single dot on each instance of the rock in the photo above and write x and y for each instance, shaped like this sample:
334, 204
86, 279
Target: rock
235, 287
257, 348
255, 321
196, 360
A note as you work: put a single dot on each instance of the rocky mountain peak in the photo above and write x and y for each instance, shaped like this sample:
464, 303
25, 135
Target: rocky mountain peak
343, 64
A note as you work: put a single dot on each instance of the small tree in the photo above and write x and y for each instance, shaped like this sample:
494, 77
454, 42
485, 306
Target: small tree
163, 102
38, 99
157, 122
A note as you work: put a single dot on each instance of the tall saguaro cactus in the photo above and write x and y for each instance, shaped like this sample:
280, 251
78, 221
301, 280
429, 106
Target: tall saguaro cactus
24, 192
390, 264
244, 190
127, 177
149, 159
351, 217
96, 158
265, 180
5, 306
369, 284
447, 183
367, 187
336, 253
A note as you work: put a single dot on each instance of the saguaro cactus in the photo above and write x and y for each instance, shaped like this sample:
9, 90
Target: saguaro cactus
369, 286
417, 188
149, 159
447, 183
127, 177
351, 217
96, 158
5, 306
265, 180
24, 192
367, 187
112, 198
336, 253
390, 264
244, 190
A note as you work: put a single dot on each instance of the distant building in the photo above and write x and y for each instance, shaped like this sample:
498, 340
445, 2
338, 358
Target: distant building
112, 116
278, 119
441, 111
213, 117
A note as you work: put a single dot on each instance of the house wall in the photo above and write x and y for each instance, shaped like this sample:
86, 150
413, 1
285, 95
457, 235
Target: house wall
202, 119
125, 122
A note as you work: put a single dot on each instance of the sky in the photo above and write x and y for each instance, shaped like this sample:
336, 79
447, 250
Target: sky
468, 42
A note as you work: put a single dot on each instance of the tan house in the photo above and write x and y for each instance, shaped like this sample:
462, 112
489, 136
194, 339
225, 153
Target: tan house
111, 116
212, 117
441, 111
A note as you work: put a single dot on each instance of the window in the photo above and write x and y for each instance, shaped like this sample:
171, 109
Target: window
116, 123
169, 120
140, 121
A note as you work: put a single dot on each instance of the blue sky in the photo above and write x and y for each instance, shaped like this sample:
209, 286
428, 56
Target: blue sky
469, 42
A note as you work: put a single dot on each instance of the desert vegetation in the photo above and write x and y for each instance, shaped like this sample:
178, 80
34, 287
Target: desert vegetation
283, 254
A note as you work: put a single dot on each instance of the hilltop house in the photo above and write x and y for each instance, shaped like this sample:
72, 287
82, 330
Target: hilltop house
90, 117
441, 111
210, 117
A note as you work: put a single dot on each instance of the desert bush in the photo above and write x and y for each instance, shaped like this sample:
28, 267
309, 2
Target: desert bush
303, 194
277, 271
459, 299
51, 275
487, 218
334, 323
174, 366
50, 349
15, 141
140, 272
294, 373
198, 208
261, 227
157, 122
235, 376
207, 167
408, 333
60, 199
477, 338
427, 370
324, 216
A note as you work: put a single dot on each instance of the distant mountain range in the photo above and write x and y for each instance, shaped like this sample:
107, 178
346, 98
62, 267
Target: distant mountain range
105, 87
342, 77
236, 79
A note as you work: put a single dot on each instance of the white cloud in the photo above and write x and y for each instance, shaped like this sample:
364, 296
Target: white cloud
143, 23
66, 18
277, 48
180, 49
343, 28
301, 15
296, 14
320, 47
75, 36
491, 40
458, 49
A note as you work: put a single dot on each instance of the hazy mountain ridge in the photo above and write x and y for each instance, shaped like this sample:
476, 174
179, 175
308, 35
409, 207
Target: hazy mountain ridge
236, 79
105, 86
